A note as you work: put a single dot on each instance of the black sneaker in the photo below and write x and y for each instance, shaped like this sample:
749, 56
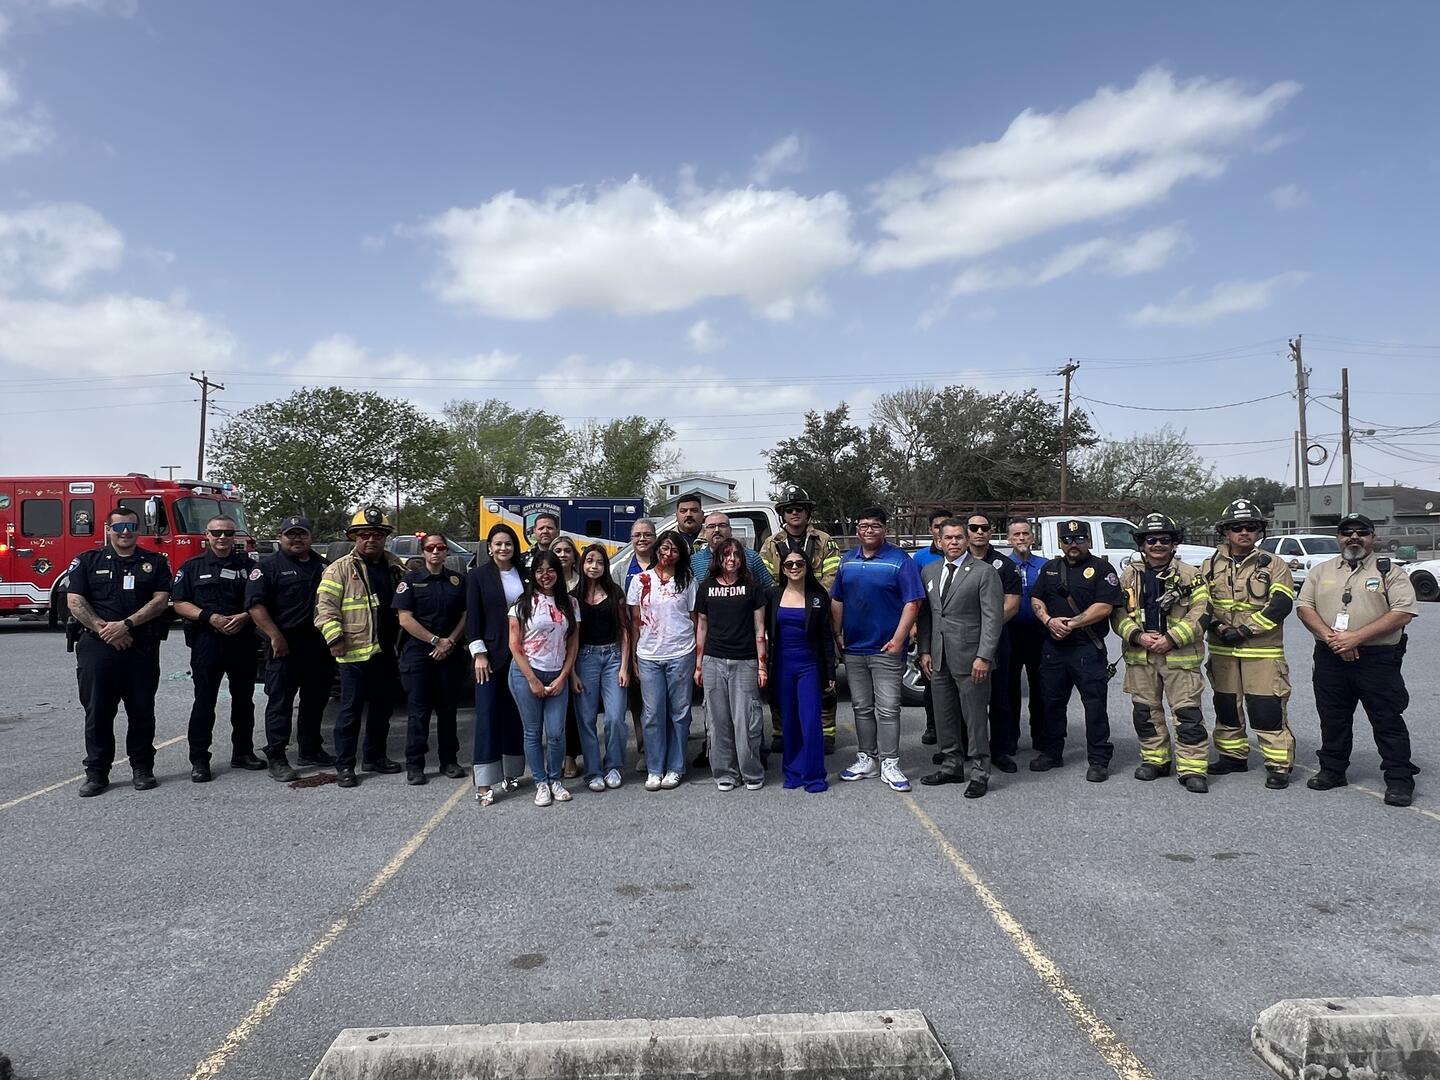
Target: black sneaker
1277, 780
280, 770
346, 778
1399, 794
1196, 783
1227, 764
143, 780
929, 738
415, 777
384, 765
1044, 763
247, 760
1097, 774
1004, 762
454, 770
200, 774
1325, 780
317, 757
93, 786
1148, 770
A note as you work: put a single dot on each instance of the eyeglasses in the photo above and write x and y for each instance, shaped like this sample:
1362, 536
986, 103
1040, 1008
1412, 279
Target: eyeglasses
794, 564
1356, 532
124, 526
436, 547
1245, 526
218, 533
974, 527
714, 525
1157, 541
869, 526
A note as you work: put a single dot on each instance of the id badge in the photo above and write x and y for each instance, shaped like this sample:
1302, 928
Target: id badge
129, 582
1342, 621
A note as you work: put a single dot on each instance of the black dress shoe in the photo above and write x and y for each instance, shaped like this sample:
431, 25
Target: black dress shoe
1044, 763
93, 786
200, 774
345, 778
144, 780
1277, 780
977, 789
453, 771
280, 770
1196, 783
1227, 764
1399, 795
929, 738
935, 779
1324, 781
1005, 763
1097, 774
384, 765
937, 759
415, 777
247, 760
318, 757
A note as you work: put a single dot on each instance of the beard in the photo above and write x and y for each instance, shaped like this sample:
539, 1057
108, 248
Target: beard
1354, 552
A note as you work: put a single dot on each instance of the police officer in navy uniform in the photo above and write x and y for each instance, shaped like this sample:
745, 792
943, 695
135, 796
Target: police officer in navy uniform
117, 593
431, 606
209, 594
1073, 598
1358, 605
280, 597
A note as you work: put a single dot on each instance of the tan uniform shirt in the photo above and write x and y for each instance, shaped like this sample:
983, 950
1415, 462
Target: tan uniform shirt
1326, 585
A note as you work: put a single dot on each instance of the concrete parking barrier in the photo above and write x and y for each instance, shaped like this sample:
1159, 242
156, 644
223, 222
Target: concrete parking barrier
898, 1045
1360, 1038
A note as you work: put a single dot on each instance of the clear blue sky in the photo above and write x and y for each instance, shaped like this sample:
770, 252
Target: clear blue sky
607, 209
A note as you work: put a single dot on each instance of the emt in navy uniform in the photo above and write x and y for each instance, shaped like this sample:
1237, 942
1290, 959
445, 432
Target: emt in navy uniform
116, 593
1073, 599
209, 594
280, 597
431, 606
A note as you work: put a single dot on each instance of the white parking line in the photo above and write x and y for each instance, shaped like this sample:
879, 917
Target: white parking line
1422, 811
76, 779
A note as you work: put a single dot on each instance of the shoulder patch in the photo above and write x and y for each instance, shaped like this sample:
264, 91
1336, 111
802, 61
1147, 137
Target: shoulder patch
998, 563
74, 564
256, 574
454, 579
1089, 573
1111, 579
179, 574
402, 587
146, 567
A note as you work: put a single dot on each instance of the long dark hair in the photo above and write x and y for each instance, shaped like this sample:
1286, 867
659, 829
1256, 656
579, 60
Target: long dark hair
614, 598
525, 606
717, 561
812, 583
683, 574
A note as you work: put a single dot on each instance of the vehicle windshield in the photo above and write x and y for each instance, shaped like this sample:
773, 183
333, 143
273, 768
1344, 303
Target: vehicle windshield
1321, 545
192, 512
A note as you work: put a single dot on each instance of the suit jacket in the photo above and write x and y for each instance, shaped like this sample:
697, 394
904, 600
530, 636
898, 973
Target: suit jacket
486, 612
971, 619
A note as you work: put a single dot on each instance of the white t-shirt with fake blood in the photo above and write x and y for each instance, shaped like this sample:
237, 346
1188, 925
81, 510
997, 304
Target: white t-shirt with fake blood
544, 633
666, 630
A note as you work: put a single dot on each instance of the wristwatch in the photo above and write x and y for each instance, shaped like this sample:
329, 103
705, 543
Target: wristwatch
129, 625
434, 640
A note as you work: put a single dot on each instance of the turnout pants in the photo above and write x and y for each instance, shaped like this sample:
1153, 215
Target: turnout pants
1075, 667
308, 670
230, 657
432, 687
1374, 681
108, 677
1150, 685
365, 686
1257, 689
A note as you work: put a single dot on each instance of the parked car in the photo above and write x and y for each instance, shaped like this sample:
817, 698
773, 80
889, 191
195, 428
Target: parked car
1420, 537
1425, 577
1302, 551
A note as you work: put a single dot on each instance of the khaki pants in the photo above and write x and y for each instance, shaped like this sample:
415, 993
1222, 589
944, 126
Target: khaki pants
1257, 689
1150, 685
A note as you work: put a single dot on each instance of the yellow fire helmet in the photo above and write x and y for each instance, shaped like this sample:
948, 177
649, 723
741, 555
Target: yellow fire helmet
369, 517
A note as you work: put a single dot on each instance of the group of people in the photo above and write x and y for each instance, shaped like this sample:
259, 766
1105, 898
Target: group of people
561, 651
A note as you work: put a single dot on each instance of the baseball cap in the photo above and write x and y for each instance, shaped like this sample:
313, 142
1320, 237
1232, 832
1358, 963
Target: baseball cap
290, 524
1356, 519
1078, 529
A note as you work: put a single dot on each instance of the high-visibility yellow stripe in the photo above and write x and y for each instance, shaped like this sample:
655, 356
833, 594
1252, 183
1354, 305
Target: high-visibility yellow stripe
1128, 626
1275, 753
1236, 605
1264, 623
1183, 661
1240, 745
355, 656
355, 604
1191, 766
1247, 653
1182, 633
1281, 587
1154, 757
326, 585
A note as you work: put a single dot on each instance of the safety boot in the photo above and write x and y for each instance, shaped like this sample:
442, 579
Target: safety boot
94, 784
1277, 780
1148, 770
1399, 794
1196, 783
346, 778
280, 770
1325, 780
143, 779
1226, 764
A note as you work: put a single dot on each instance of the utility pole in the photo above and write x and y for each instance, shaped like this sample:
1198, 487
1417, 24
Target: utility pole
205, 387
1344, 442
1067, 371
1302, 462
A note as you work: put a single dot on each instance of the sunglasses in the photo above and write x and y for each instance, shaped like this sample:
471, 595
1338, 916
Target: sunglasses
221, 532
977, 528
1356, 532
435, 547
1074, 538
1157, 541
124, 526
794, 564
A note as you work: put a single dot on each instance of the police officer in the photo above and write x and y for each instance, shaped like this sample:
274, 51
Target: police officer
280, 597
431, 606
117, 593
1159, 628
1251, 592
1357, 605
209, 594
1073, 598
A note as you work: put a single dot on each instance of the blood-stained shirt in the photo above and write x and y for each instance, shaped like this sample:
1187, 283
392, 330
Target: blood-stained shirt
543, 635
667, 630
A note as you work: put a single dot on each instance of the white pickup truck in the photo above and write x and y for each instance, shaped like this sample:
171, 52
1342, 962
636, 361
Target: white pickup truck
1110, 538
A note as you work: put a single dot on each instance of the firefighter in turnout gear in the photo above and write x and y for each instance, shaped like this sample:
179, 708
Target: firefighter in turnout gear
1251, 593
1159, 625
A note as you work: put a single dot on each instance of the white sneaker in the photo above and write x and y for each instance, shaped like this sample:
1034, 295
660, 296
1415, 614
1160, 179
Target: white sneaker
558, 790
596, 783
754, 785
612, 778
725, 785
891, 774
863, 769
670, 780
652, 782
542, 795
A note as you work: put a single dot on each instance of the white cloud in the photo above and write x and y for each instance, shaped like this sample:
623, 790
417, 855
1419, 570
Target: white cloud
110, 335
578, 384
704, 338
628, 249
1113, 153
785, 156
1111, 256
340, 356
22, 130
56, 246
1226, 298
1288, 196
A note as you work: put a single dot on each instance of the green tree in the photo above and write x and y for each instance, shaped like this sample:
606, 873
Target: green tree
831, 459
624, 456
323, 450
1160, 471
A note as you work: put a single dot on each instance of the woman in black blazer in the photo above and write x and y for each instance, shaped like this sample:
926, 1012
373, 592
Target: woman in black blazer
490, 591
801, 668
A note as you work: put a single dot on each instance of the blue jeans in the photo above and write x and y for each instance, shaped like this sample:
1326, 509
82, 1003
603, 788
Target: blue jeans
541, 717
599, 669
666, 686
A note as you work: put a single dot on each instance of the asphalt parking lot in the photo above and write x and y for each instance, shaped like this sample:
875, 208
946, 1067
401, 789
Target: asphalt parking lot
1054, 928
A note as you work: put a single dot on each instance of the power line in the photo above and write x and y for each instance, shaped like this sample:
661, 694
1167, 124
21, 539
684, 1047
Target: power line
92, 408
1200, 408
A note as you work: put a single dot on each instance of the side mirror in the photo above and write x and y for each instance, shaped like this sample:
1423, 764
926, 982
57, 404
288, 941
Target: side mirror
152, 513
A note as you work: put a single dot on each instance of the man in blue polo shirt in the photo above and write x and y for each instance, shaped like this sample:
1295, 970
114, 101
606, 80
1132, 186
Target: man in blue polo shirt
876, 598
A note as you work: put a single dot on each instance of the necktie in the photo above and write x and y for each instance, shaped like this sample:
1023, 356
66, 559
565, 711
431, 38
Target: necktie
945, 585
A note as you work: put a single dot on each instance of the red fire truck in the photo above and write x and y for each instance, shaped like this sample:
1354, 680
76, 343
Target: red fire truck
45, 521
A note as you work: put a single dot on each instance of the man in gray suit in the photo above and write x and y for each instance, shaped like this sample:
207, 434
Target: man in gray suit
959, 631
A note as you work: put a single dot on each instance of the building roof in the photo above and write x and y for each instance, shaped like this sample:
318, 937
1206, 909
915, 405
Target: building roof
1408, 500
700, 476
